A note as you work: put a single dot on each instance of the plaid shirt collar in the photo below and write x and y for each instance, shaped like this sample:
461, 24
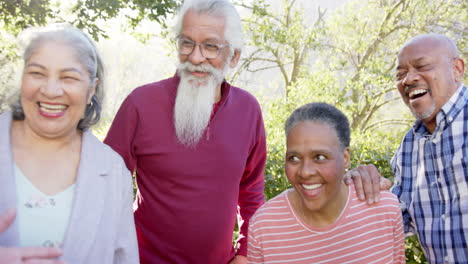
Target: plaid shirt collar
447, 113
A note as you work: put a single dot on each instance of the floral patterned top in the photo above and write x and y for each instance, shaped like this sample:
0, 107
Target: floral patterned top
42, 219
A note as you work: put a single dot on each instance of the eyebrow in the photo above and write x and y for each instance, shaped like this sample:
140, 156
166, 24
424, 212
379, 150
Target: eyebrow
417, 60
33, 64
213, 39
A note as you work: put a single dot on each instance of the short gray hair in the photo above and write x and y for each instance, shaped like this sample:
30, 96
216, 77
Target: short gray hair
87, 55
322, 113
223, 8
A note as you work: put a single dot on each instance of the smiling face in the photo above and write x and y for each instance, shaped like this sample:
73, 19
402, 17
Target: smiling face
315, 165
55, 90
427, 74
208, 29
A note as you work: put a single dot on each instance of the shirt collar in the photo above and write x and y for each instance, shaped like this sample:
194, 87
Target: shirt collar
447, 113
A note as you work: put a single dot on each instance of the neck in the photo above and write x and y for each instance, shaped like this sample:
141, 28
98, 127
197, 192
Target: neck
24, 136
430, 126
218, 93
327, 215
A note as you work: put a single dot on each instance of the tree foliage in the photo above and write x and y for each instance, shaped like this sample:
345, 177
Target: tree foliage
353, 52
280, 40
362, 47
16, 15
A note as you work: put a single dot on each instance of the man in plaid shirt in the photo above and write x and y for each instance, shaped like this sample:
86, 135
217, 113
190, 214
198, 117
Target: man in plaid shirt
431, 164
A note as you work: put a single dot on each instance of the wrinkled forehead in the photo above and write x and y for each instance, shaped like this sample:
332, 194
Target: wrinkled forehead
427, 47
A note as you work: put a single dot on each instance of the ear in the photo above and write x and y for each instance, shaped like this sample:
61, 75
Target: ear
347, 158
458, 69
92, 90
235, 58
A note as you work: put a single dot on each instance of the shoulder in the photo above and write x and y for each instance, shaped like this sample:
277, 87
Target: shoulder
388, 202
406, 142
273, 208
104, 155
155, 89
243, 94
244, 97
389, 198
5, 119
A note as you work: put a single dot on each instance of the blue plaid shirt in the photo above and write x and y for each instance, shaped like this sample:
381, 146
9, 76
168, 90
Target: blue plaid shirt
431, 181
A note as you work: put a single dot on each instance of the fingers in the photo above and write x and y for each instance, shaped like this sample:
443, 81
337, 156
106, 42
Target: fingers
367, 180
40, 252
31, 255
366, 183
6, 219
43, 261
385, 184
347, 178
356, 178
374, 176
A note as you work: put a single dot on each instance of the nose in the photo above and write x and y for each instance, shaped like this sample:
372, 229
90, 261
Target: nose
52, 88
196, 57
411, 78
307, 169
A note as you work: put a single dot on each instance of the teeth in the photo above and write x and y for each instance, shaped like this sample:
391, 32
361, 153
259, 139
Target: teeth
52, 108
416, 92
311, 186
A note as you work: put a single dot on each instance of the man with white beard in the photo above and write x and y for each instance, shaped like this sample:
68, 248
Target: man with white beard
197, 145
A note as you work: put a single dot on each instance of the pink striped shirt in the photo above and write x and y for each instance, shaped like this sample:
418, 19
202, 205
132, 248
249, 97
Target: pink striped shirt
361, 234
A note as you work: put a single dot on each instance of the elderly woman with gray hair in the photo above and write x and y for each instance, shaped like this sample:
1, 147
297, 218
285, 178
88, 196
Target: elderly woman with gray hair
64, 195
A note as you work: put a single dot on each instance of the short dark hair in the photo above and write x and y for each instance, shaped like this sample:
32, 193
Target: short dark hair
323, 113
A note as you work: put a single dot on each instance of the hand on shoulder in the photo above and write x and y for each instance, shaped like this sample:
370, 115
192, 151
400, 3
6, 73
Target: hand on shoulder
368, 182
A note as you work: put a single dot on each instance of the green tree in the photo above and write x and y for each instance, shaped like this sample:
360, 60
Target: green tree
19, 14
362, 47
280, 40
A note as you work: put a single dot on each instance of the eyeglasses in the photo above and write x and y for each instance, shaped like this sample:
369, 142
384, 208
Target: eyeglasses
209, 50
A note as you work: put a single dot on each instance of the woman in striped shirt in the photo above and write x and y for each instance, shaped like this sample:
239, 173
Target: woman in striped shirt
320, 220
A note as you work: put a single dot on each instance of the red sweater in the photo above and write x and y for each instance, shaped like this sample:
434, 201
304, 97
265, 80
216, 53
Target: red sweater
187, 199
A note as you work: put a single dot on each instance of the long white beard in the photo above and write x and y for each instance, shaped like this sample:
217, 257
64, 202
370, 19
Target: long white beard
194, 101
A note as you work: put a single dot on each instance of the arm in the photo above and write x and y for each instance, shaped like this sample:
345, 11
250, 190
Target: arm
122, 132
251, 187
17, 255
127, 246
368, 182
254, 252
402, 190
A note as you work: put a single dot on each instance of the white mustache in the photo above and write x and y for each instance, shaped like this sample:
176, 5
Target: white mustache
187, 66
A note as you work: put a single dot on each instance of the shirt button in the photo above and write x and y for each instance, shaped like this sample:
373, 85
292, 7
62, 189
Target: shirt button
443, 218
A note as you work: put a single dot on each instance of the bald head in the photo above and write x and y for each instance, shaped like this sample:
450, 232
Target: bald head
435, 40
428, 73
